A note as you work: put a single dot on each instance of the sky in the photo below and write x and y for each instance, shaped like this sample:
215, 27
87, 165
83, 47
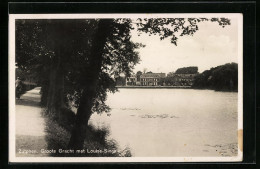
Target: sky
210, 46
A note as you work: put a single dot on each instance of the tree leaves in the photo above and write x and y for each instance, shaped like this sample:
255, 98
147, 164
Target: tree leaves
174, 27
40, 42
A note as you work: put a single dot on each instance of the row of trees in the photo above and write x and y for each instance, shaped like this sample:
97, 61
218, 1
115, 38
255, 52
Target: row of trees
220, 78
187, 70
77, 60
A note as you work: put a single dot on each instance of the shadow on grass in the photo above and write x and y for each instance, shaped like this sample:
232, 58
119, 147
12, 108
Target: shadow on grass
29, 146
95, 145
27, 102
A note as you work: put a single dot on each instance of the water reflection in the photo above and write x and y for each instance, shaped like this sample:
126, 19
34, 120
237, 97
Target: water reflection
171, 122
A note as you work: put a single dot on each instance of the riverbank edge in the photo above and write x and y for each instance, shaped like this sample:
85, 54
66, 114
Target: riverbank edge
58, 133
171, 87
155, 87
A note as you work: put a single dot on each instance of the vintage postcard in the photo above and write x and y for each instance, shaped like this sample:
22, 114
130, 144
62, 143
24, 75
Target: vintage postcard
126, 87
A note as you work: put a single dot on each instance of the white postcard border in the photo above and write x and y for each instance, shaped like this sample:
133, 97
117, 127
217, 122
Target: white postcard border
11, 87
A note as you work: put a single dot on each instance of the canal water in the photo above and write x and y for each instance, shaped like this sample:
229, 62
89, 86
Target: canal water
172, 122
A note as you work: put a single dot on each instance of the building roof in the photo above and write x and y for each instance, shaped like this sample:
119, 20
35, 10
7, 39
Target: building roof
153, 75
180, 75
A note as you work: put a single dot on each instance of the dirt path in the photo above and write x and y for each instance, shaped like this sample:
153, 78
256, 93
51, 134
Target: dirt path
30, 125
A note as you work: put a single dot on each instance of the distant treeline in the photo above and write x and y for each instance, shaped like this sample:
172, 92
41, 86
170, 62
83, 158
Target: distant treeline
220, 78
187, 70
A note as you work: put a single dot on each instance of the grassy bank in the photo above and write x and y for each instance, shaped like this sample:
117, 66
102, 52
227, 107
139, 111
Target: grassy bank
95, 145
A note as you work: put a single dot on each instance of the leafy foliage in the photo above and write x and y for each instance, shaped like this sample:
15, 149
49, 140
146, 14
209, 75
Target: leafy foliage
187, 70
138, 74
174, 27
39, 42
119, 56
221, 78
79, 59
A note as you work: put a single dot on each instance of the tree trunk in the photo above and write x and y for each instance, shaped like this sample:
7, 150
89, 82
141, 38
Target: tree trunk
51, 92
55, 99
84, 112
53, 37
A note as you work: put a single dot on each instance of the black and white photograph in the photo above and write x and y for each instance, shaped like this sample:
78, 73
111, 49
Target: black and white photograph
126, 87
